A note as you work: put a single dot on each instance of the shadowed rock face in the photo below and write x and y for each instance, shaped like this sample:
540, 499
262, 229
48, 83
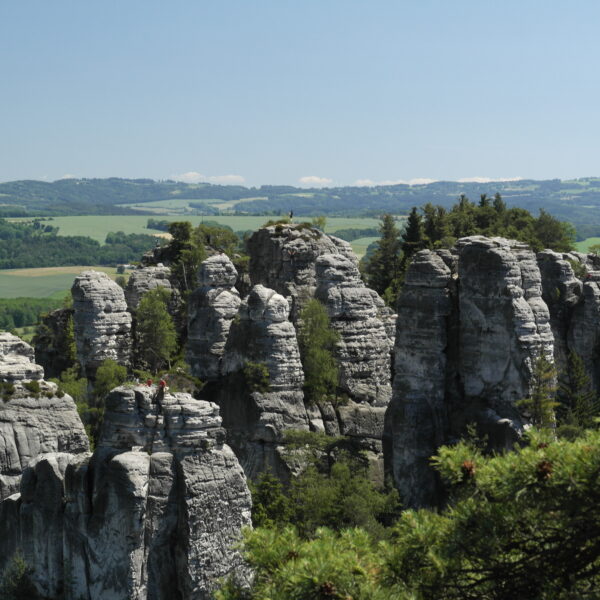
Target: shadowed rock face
256, 419
211, 309
154, 513
102, 322
31, 422
465, 349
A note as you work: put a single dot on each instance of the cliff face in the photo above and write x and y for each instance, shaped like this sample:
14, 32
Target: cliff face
145, 279
467, 341
102, 322
153, 513
31, 422
211, 309
257, 413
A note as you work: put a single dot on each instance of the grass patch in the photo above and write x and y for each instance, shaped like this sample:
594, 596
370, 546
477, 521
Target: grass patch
584, 245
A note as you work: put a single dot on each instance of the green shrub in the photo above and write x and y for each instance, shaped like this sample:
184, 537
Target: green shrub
257, 377
32, 386
16, 582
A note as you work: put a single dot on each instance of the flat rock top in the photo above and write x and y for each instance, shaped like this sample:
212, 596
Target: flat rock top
17, 359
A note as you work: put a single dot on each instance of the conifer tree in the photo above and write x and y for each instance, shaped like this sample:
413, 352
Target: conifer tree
317, 341
413, 238
155, 331
383, 265
540, 404
578, 403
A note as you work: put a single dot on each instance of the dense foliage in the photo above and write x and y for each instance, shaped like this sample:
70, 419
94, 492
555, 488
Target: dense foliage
317, 340
523, 524
36, 244
435, 227
21, 312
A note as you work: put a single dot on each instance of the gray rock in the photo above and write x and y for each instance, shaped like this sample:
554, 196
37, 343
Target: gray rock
211, 309
256, 419
17, 360
465, 351
102, 322
282, 257
31, 423
145, 279
154, 513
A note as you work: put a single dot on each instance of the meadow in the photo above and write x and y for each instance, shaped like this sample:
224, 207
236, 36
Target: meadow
584, 245
50, 282
97, 226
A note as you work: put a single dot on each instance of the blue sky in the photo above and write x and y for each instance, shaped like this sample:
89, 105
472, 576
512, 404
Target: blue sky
326, 92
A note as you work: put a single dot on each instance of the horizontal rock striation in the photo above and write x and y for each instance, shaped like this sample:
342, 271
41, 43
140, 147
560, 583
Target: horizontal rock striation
283, 256
102, 322
211, 309
467, 342
145, 279
257, 412
154, 513
34, 417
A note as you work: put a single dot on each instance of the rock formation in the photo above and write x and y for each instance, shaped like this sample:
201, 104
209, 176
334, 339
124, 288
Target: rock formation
34, 418
53, 341
257, 413
144, 279
466, 345
102, 322
211, 309
283, 256
154, 513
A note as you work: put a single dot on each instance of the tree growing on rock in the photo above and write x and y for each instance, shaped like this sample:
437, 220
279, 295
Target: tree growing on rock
155, 330
317, 341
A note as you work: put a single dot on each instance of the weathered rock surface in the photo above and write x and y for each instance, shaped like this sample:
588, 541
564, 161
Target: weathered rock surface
145, 279
31, 422
283, 256
465, 350
154, 513
211, 309
102, 322
256, 419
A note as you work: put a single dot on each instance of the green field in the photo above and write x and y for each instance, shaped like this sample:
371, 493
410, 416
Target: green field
584, 246
361, 244
97, 227
51, 282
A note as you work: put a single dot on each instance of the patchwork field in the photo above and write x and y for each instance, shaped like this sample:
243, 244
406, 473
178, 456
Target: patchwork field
50, 282
97, 227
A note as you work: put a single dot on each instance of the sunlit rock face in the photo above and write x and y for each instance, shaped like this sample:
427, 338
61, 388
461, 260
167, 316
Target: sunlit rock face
470, 330
102, 322
145, 279
256, 416
154, 513
34, 417
211, 309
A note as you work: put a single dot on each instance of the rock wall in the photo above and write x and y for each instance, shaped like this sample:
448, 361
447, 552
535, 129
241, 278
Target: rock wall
31, 422
211, 309
145, 279
102, 322
154, 513
256, 419
467, 341
283, 257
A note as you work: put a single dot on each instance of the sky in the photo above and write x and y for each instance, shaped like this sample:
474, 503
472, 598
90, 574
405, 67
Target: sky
299, 92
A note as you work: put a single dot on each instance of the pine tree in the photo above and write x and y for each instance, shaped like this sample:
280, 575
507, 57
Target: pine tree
384, 264
579, 404
155, 331
317, 342
413, 238
540, 404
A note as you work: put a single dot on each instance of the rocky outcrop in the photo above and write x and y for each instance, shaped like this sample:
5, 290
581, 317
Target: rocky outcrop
211, 310
145, 279
102, 322
154, 513
283, 256
34, 416
466, 346
257, 409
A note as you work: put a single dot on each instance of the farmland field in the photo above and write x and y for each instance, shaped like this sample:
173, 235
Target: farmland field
97, 227
584, 245
361, 244
50, 282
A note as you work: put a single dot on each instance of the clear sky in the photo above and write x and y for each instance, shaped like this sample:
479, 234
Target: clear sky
291, 91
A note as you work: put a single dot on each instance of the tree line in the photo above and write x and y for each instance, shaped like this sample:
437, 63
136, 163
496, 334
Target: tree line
436, 227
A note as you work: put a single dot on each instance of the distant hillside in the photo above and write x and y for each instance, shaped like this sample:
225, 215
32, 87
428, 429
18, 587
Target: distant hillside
576, 201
